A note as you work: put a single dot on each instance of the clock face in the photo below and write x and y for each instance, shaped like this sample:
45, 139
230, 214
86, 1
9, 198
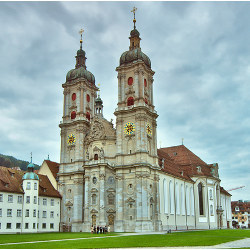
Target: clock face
71, 139
149, 129
129, 128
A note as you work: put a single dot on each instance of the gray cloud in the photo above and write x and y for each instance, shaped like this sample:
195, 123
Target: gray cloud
199, 50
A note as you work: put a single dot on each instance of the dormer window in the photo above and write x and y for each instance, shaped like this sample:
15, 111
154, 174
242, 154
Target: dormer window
175, 153
198, 169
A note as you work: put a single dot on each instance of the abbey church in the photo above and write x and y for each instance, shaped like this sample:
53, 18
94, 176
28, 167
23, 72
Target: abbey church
113, 174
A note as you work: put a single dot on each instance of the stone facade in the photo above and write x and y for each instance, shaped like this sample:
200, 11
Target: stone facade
112, 176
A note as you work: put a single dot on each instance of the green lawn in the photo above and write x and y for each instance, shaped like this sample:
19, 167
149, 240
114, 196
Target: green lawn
191, 238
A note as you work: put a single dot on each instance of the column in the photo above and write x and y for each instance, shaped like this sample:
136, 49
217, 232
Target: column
119, 204
78, 201
102, 200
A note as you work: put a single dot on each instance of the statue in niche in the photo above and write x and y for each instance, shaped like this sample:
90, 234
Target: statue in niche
102, 153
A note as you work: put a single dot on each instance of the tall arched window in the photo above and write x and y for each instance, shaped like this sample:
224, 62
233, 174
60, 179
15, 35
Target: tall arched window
96, 157
187, 200
130, 81
200, 192
171, 196
211, 210
165, 196
130, 101
177, 198
93, 199
182, 200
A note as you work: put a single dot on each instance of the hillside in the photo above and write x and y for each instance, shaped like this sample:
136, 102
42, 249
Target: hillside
10, 162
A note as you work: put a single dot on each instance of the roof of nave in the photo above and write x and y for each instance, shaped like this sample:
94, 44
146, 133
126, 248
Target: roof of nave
53, 166
100, 129
46, 188
187, 161
222, 190
11, 182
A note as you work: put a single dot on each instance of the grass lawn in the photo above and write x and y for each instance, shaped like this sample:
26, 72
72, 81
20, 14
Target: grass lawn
179, 239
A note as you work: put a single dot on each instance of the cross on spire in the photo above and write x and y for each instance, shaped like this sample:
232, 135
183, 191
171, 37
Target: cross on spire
134, 10
31, 157
80, 32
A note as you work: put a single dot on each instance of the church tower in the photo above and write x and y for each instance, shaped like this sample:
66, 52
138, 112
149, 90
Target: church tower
136, 142
79, 108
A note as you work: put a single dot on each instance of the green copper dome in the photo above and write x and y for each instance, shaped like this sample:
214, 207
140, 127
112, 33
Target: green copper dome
30, 176
134, 55
80, 72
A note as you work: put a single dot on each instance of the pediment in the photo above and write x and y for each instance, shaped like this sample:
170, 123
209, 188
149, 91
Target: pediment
93, 211
111, 210
96, 149
130, 200
94, 190
69, 204
111, 190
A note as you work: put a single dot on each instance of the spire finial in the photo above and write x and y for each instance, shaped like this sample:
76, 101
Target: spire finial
80, 32
48, 157
182, 140
134, 10
99, 89
31, 157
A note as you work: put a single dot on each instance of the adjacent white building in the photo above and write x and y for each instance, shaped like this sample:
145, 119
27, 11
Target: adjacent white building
28, 202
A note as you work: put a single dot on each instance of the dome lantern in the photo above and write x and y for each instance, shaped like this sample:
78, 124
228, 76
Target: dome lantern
30, 175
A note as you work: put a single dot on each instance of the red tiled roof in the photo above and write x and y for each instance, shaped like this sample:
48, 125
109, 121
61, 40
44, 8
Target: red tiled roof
11, 180
243, 206
187, 161
222, 190
53, 166
46, 188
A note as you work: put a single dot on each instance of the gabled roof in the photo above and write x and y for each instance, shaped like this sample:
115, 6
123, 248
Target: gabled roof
187, 161
11, 180
46, 188
53, 166
222, 190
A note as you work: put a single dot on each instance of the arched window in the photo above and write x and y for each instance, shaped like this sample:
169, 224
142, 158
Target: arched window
73, 96
187, 200
93, 199
177, 198
130, 80
210, 194
111, 199
165, 196
88, 98
88, 116
73, 115
171, 196
130, 101
200, 192
96, 157
145, 83
211, 210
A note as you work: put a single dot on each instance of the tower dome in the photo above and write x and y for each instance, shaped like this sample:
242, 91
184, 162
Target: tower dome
80, 67
30, 175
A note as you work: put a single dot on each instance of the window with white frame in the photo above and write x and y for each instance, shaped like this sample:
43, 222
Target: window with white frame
52, 214
34, 212
28, 187
18, 225
52, 202
171, 195
26, 225
165, 196
44, 214
27, 213
0, 225
19, 213
8, 226
44, 201
38, 213
0, 212
51, 225
19, 199
9, 212
1, 198
177, 198
27, 199
183, 212
188, 200
10, 198
44, 225
34, 225
35, 199
35, 186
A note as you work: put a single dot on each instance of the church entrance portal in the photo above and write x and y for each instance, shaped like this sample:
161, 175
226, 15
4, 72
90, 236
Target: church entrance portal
94, 220
111, 219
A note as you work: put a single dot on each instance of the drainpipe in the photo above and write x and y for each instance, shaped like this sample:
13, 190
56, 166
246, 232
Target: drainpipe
208, 207
185, 194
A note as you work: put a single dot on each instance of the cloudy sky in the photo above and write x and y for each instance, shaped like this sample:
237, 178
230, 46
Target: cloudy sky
200, 52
